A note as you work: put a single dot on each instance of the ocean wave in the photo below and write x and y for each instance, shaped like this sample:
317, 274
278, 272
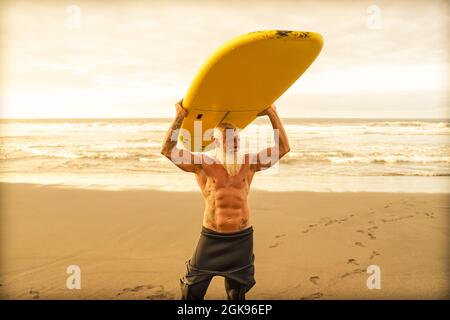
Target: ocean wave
414, 174
140, 154
383, 128
343, 157
36, 154
428, 124
406, 131
393, 159
153, 131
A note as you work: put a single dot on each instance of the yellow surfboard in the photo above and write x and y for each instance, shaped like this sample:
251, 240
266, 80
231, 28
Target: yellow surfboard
242, 78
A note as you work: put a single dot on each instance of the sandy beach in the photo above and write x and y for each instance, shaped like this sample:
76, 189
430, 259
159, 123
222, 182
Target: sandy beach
133, 244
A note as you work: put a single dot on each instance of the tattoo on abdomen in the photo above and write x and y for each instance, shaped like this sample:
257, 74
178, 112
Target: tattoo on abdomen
242, 224
212, 218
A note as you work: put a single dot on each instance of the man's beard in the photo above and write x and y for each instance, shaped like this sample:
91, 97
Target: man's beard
231, 161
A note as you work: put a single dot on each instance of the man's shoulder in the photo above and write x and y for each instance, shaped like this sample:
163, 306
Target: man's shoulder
207, 159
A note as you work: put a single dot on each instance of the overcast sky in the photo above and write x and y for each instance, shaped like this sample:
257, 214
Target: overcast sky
136, 59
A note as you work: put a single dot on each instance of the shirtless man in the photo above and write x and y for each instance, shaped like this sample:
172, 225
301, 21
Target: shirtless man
225, 246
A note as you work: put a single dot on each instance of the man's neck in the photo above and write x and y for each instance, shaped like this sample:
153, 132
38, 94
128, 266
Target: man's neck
231, 161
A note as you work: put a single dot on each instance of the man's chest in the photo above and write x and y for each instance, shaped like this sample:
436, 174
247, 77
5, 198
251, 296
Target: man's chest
217, 177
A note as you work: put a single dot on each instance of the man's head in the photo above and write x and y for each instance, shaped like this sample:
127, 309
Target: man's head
226, 137
226, 141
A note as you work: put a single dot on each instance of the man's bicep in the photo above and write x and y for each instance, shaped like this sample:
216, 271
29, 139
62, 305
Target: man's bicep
185, 160
264, 159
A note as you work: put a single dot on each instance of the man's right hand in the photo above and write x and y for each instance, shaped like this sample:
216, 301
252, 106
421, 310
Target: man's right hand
268, 111
181, 112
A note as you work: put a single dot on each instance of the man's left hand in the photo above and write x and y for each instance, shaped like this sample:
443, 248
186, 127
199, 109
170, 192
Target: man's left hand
267, 111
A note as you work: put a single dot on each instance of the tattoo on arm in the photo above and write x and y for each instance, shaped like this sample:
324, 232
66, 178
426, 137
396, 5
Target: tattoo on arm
171, 138
181, 157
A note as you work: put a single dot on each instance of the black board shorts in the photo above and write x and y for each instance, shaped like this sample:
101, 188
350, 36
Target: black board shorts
224, 254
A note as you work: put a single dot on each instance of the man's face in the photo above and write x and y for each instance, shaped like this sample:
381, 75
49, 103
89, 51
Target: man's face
230, 140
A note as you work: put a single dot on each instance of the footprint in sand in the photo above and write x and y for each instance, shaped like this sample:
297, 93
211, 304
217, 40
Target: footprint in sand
388, 205
333, 221
352, 261
135, 289
160, 294
427, 214
396, 219
34, 293
152, 292
430, 214
374, 254
359, 244
280, 235
324, 222
316, 295
356, 271
274, 245
314, 279
310, 227
330, 222
370, 234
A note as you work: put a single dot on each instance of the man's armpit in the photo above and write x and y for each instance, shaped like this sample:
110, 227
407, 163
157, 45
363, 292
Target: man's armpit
206, 160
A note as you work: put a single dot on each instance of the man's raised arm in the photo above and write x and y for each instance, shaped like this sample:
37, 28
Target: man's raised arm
268, 157
182, 158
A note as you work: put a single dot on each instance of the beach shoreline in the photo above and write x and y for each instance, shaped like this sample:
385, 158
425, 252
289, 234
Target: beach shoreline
133, 244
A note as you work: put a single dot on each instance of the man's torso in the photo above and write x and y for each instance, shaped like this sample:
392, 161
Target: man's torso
226, 206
